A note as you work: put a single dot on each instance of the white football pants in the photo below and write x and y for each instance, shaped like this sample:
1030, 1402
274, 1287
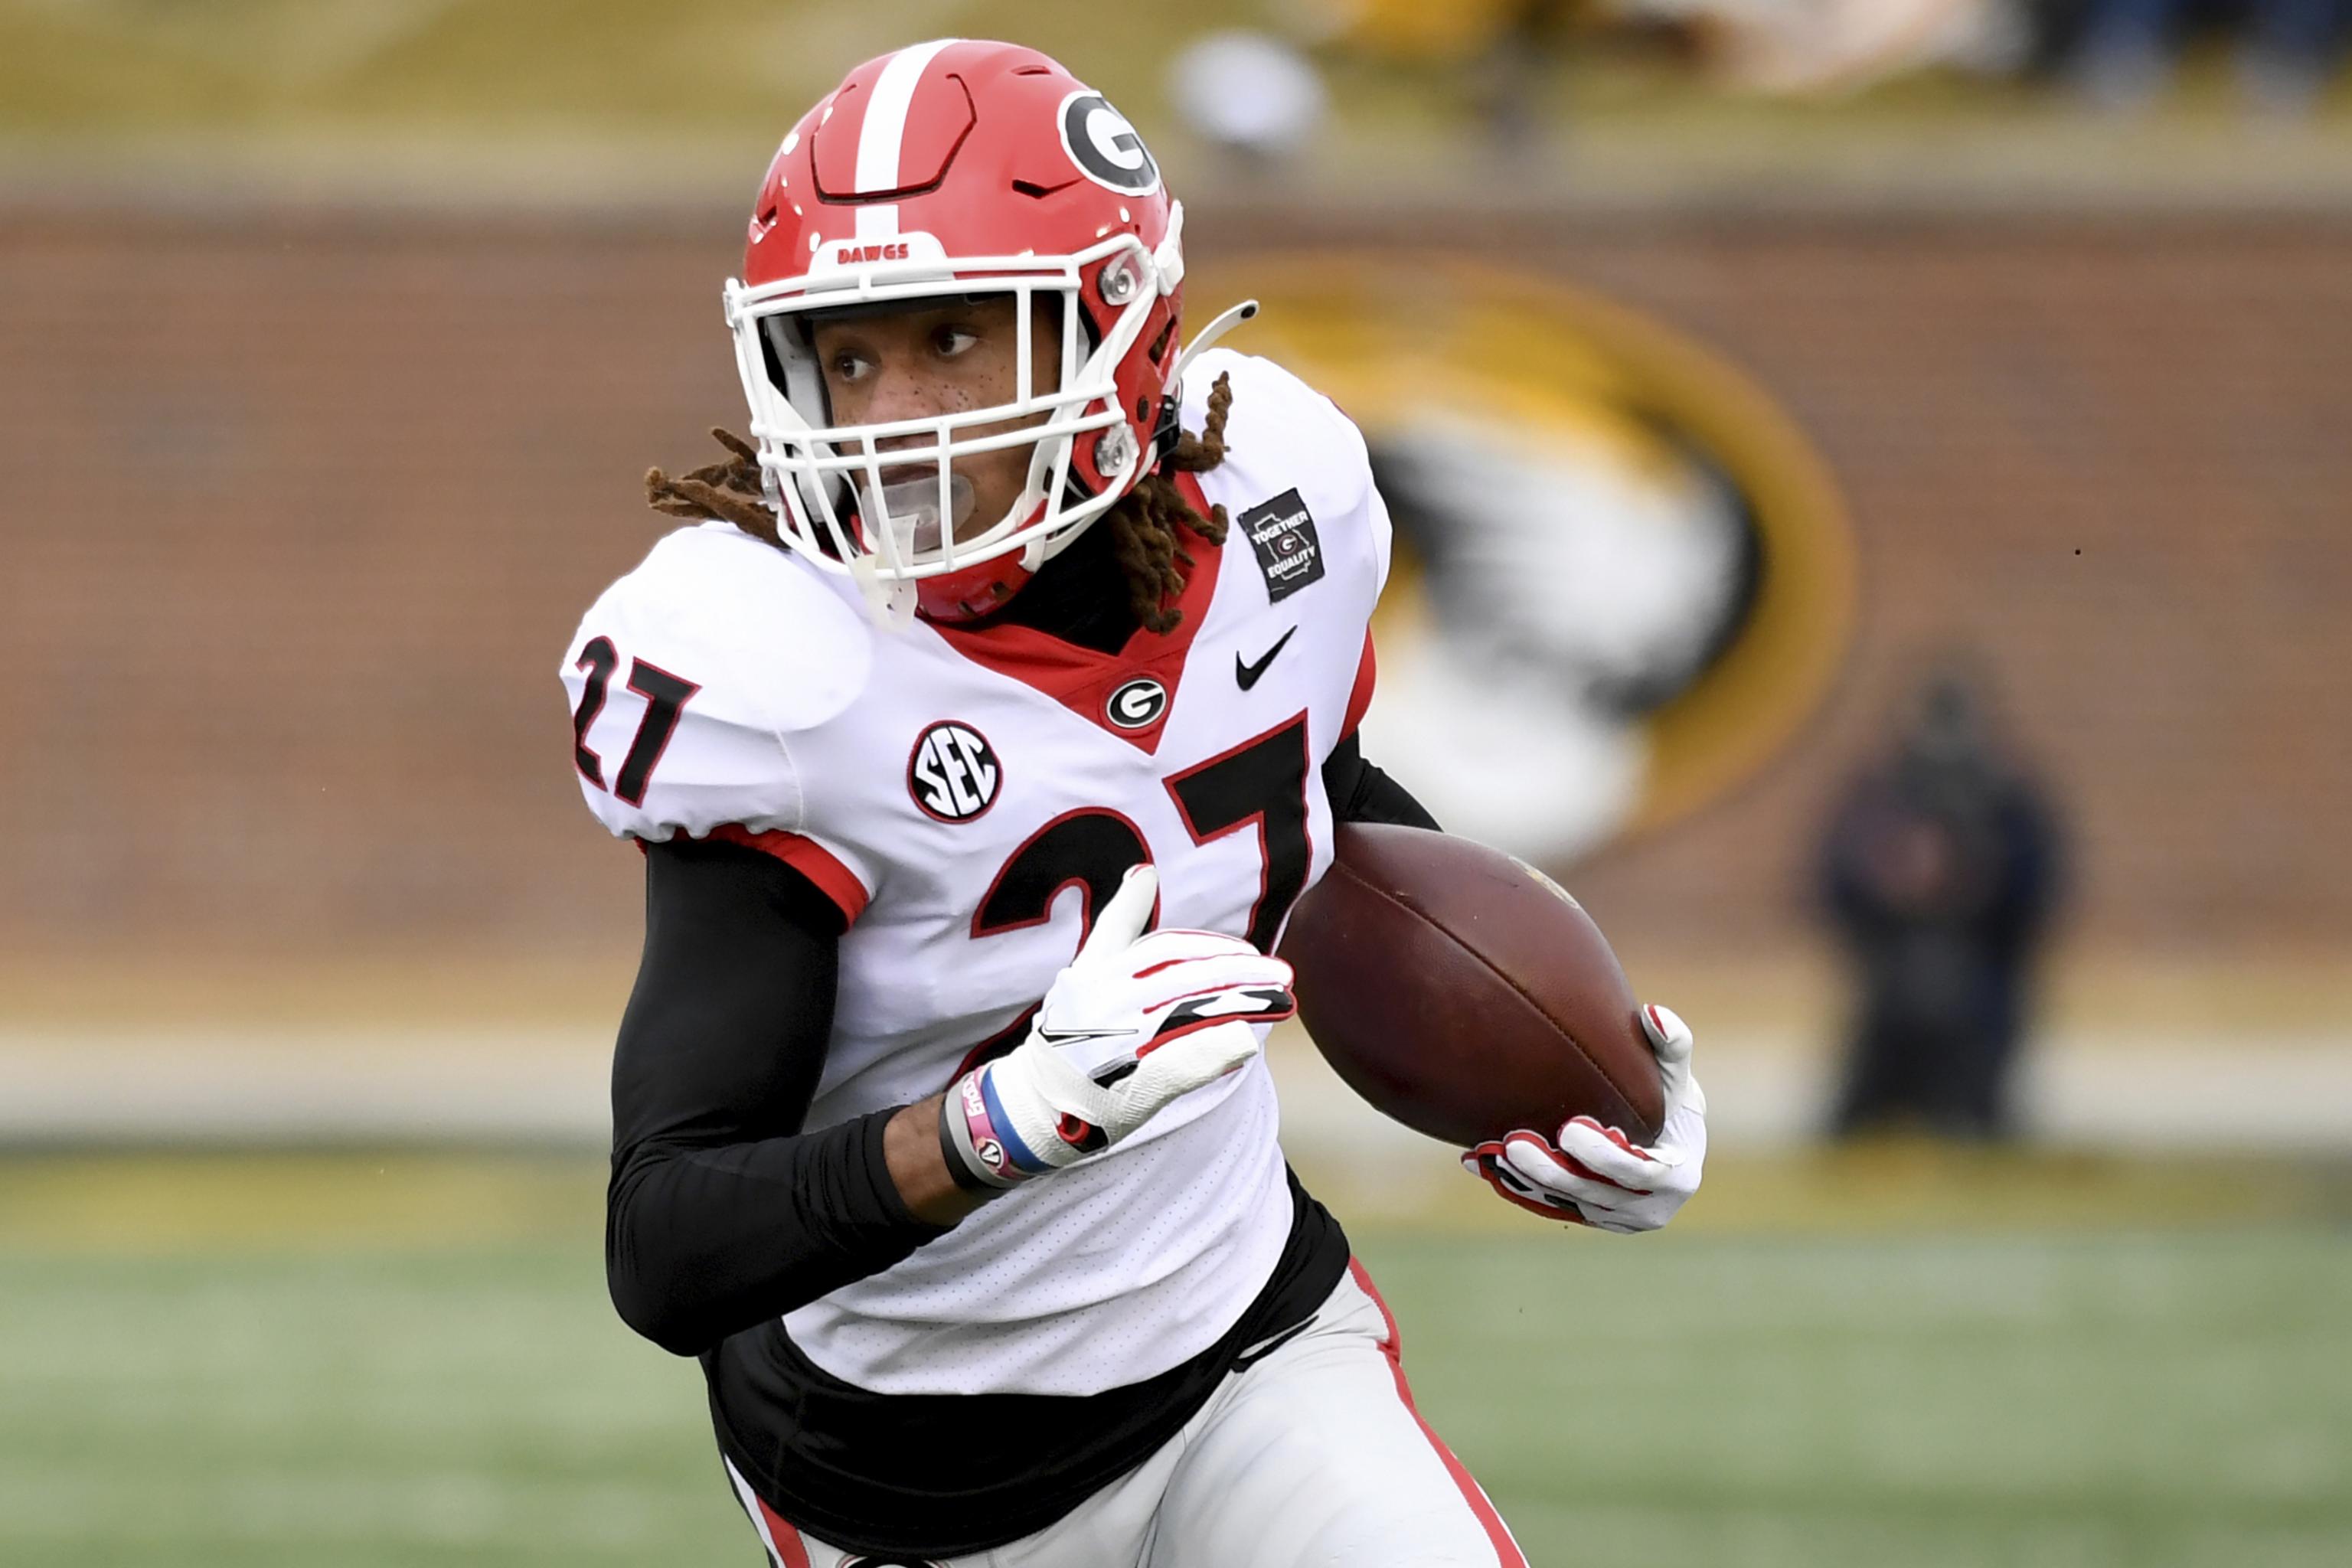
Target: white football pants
1311, 1458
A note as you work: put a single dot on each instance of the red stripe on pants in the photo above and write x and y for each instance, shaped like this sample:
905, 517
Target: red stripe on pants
788, 1540
1507, 1551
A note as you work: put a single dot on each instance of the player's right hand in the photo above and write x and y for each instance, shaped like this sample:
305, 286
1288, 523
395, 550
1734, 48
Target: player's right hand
1596, 1175
1134, 1023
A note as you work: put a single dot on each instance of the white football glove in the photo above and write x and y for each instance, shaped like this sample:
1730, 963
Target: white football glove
1134, 1023
1595, 1175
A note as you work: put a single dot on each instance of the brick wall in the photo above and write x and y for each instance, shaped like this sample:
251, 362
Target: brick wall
300, 510
2166, 397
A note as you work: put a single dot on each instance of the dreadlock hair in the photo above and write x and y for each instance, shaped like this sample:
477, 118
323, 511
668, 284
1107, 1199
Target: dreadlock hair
1147, 524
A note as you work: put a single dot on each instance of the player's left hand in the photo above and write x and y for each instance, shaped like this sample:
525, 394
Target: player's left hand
1595, 1175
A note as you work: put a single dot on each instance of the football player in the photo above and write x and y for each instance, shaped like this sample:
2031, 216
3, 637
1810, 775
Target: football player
980, 736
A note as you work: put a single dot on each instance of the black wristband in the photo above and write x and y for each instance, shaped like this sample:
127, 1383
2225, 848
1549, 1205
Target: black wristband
959, 1169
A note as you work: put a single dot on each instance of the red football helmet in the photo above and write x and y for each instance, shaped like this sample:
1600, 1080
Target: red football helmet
950, 169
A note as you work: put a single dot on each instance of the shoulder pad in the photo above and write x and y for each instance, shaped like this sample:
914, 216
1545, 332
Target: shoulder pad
1282, 435
1306, 427
771, 644
689, 677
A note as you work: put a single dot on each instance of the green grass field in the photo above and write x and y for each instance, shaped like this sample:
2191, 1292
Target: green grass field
312, 1379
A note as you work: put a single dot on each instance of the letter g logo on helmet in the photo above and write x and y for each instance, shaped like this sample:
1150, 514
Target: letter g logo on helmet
1105, 146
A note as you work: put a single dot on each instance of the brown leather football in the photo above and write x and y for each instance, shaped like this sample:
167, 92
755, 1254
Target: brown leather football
1464, 993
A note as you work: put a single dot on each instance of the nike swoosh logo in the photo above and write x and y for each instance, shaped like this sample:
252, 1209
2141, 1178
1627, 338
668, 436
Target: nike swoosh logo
1247, 674
1066, 1036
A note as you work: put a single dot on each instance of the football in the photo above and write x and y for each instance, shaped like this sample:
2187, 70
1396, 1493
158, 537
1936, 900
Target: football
1465, 994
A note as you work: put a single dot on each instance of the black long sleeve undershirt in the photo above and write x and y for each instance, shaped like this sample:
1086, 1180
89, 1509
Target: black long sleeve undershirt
1359, 792
721, 1212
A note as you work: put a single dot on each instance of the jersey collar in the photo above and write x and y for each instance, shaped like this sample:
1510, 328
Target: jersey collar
1085, 679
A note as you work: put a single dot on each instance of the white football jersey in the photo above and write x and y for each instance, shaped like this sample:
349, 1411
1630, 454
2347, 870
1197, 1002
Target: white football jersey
969, 797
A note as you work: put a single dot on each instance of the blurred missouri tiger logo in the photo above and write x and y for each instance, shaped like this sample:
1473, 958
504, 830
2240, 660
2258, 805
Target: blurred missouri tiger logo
1622, 575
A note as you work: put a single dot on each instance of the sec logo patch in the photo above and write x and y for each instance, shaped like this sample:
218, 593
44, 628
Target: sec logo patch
1137, 704
953, 772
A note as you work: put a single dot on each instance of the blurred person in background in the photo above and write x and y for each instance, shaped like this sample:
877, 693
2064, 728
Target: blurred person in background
2288, 48
1800, 47
1940, 871
1499, 58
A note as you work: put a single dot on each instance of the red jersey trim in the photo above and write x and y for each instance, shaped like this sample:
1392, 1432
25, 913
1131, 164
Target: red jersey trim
1361, 699
811, 859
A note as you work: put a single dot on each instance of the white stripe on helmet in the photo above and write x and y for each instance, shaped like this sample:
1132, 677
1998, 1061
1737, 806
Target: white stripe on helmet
885, 127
